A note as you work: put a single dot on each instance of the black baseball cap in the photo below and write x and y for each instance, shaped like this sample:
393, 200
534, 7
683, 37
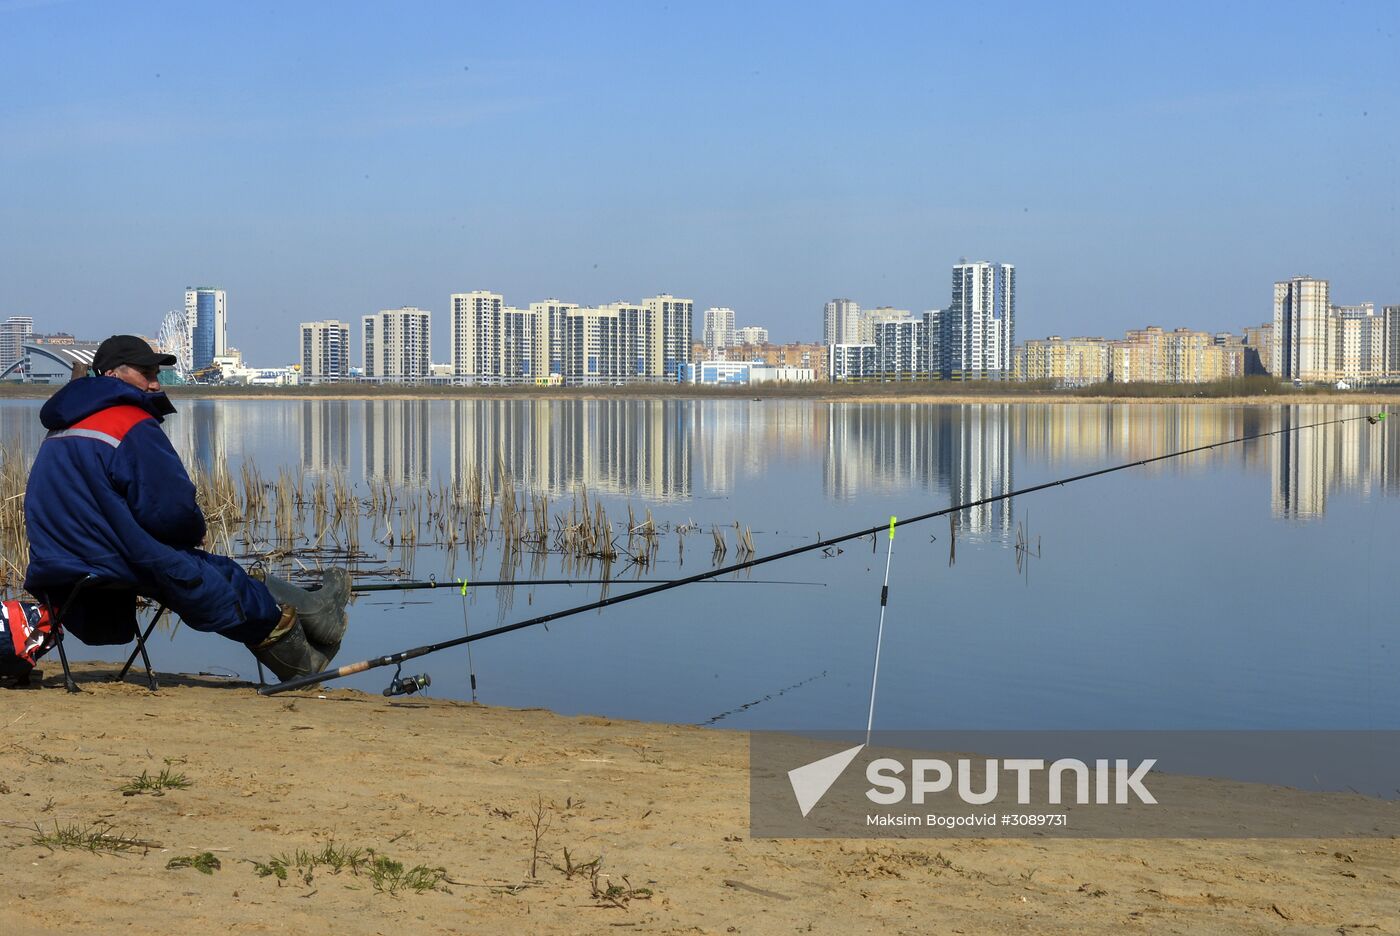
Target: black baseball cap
127, 349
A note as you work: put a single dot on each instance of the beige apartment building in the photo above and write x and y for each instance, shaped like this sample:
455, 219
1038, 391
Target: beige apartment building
668, 328
1301, 330
398, 343
1259, 349
1070, 362
476, 329
1357, 340
325, 350
550, 316
1314, 341
1143, 355
1153, 355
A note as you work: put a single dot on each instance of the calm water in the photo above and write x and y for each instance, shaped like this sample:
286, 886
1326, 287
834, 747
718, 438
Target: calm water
1244, 588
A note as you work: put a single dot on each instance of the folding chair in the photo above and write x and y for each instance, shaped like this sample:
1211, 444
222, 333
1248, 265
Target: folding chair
92, 582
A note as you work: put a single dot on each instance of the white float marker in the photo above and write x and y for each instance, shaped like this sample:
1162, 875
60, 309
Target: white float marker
880, 634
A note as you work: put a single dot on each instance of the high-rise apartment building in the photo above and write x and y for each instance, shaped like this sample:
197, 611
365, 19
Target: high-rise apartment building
718, 331
1069, 362
901, 352
980, 326
1391, 314
669, 326
206, 317
550, 316
604, 344
398, 343
14, 332
854, 362
841, 322
870, 319
494, 342
1302, 330
325, 350
476, 334
751, 335
519, 343
1358, 342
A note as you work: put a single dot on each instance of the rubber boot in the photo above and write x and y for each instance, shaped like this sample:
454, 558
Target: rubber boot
286, 651
321, 609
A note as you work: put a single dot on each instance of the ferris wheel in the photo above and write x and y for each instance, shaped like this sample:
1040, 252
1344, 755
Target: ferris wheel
174, 338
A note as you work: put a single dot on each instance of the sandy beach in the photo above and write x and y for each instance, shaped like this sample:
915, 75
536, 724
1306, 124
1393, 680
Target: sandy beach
455, 793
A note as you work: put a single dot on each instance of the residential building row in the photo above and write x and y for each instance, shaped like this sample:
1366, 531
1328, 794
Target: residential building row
554, 341
719, 333
551, 341
971, 339
1319, 342
1144, 355
1310, 340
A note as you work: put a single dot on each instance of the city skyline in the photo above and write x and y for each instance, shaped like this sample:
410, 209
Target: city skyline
338, 170
974, 335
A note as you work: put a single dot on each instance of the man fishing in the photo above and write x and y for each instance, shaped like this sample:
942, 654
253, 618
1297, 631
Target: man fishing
108, 496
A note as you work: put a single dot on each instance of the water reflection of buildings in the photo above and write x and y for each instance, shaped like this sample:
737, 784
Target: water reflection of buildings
614, 446
738, 439
648, 447
325, 437
963, 450
966, 451
1100, 435
20, 429
1310, 462
397, 441
199, 431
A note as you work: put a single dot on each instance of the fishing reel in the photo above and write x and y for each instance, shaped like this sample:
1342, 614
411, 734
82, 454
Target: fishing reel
407, 685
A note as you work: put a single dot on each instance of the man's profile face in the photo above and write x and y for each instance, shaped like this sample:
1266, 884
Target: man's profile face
142, 378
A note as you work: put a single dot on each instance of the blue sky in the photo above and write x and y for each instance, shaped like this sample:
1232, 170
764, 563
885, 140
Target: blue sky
1140, 164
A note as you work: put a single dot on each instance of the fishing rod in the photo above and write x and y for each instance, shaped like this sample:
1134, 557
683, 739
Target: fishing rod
399, 658
460, 583
880, 634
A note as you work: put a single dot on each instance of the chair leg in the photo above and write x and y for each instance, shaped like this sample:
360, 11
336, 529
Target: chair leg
262, 681
141, 649
68, 682
60, 617
150, 673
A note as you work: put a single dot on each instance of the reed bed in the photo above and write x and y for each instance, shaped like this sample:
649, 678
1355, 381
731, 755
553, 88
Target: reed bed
295, 523
14, 545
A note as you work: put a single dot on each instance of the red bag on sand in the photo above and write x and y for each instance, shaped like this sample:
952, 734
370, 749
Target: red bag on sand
27, 632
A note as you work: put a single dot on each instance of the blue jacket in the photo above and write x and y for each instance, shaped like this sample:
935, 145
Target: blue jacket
108, 495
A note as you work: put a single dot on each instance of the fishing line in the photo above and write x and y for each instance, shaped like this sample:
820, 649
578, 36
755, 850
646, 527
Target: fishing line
748, 705
403, 655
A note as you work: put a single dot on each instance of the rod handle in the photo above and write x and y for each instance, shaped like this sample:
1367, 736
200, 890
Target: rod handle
301, 682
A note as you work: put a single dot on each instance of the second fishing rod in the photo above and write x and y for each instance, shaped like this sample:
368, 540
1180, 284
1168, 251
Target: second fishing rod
397, 659
432, 583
